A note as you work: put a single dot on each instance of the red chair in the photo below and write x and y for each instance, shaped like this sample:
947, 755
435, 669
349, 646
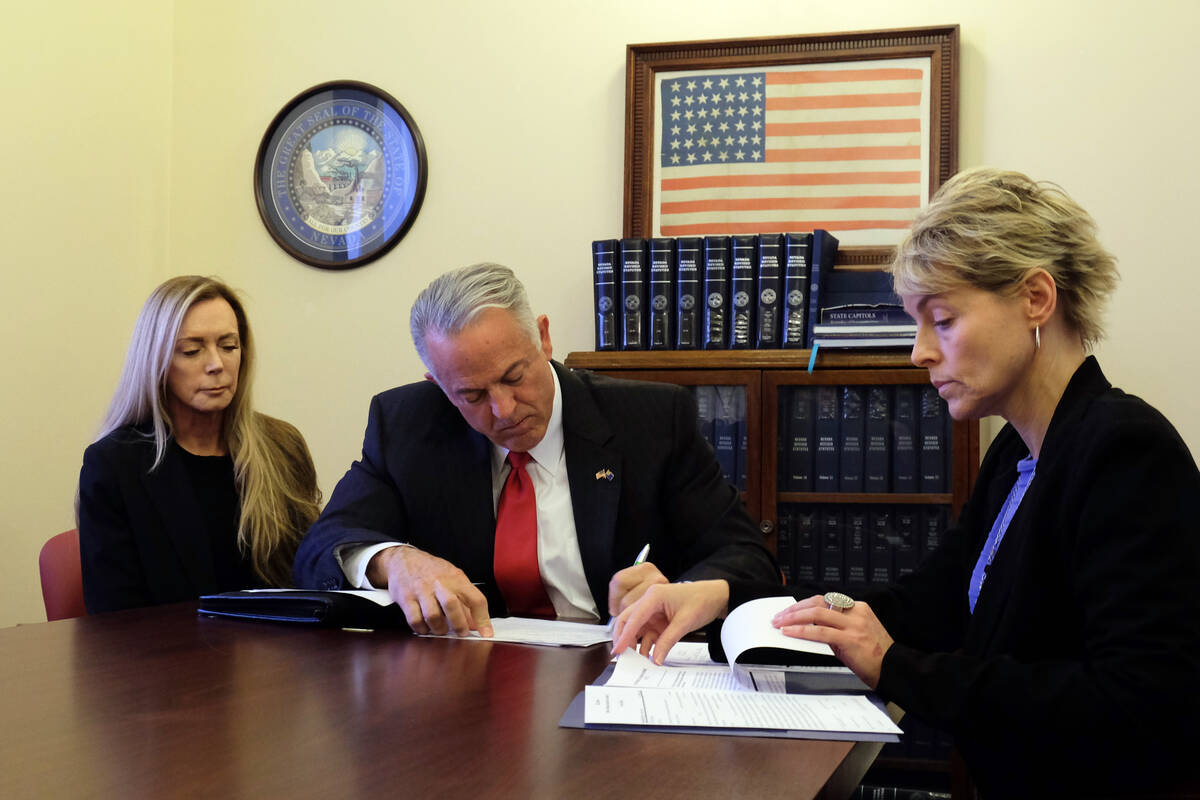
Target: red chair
62, 579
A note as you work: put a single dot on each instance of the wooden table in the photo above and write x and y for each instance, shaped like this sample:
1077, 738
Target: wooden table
160, 702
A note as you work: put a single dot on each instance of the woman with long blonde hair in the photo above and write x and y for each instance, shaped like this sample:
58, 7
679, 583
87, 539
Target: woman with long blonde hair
188, 490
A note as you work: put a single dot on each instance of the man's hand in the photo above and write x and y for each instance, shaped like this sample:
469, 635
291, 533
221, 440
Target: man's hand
434, 595
628, 585
666, 613
856, 635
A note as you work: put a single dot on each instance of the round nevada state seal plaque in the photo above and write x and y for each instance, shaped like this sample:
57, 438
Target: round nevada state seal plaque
340, 175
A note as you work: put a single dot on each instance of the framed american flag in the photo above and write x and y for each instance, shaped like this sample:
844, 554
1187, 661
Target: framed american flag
850, 132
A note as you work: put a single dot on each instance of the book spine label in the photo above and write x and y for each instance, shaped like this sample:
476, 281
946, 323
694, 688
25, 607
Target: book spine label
858, 539
805, 552
877, 461
904, 438
662, 293
933, 526
851, 429
742, 295
825, 460
801, 434
904, 546
833, 547
716, 292
769, 262
725, 431
689, 258
635, 278
880, 558
797, 247
604, 273
824, 253
931, 459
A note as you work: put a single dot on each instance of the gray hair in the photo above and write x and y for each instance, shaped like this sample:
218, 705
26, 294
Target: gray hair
455, 298
989, 228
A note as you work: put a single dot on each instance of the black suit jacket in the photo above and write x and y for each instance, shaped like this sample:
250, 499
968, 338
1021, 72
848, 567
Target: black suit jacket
425, 478
1077, 672
142, 535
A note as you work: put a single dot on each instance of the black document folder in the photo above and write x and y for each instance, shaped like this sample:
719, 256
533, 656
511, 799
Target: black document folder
333, 609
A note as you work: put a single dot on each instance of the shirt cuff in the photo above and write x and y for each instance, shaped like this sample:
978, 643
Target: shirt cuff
353, 559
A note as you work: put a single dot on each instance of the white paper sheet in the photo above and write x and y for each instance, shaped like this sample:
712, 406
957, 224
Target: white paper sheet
620, 705
551, 632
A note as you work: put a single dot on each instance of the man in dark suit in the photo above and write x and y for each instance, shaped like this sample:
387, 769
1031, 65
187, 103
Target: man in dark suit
615, 466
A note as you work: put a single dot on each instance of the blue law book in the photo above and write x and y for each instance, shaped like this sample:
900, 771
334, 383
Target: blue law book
880, 556
706, 411
783, 543
805, 548
635, 285
825, 460
725, 431
934, 520
878, 457
689, 258
662, 293
743, 251
904, 438
934, 444
796, 269
905, 550
851, 433
743, 464
769, 260
801, 439
716, 293
605, 287
823, 254
833, 547
858, 542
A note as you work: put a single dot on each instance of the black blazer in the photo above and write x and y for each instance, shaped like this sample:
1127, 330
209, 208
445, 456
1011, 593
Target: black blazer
142, 534
425, 478
1077, 672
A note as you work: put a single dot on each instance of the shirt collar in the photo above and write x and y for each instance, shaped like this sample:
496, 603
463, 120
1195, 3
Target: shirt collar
548, 452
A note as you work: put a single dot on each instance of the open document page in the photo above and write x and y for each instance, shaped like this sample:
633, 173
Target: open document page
553, 632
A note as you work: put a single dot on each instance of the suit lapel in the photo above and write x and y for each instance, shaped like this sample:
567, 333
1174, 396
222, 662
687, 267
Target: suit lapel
171, 492
594, 471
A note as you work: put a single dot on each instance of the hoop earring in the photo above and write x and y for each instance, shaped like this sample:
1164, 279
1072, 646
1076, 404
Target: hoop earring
1037, 337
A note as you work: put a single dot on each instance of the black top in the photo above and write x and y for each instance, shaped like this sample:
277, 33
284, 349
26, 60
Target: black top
217, 496
162, 535
1076, 674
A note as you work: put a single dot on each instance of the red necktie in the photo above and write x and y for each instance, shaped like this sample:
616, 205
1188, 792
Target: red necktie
515, 557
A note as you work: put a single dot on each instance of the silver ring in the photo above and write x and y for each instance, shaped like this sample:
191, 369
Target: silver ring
838, 601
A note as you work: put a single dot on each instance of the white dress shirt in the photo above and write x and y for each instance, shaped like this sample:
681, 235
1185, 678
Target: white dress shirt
559, 559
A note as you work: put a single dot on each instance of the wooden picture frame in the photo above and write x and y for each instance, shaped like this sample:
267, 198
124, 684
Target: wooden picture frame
927, 58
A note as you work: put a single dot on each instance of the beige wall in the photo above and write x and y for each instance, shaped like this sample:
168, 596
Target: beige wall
521, 106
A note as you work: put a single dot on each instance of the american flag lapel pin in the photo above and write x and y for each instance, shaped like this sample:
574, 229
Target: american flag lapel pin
605, 474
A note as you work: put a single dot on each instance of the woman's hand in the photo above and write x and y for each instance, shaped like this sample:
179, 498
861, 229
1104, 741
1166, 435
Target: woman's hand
668, 612
857, 636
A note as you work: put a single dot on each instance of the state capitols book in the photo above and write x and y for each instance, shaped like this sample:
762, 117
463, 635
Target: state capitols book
797, 250
662, 293
821, 260
743, 249
770, 285
635, 279
689, 299
605, 288
716, 293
